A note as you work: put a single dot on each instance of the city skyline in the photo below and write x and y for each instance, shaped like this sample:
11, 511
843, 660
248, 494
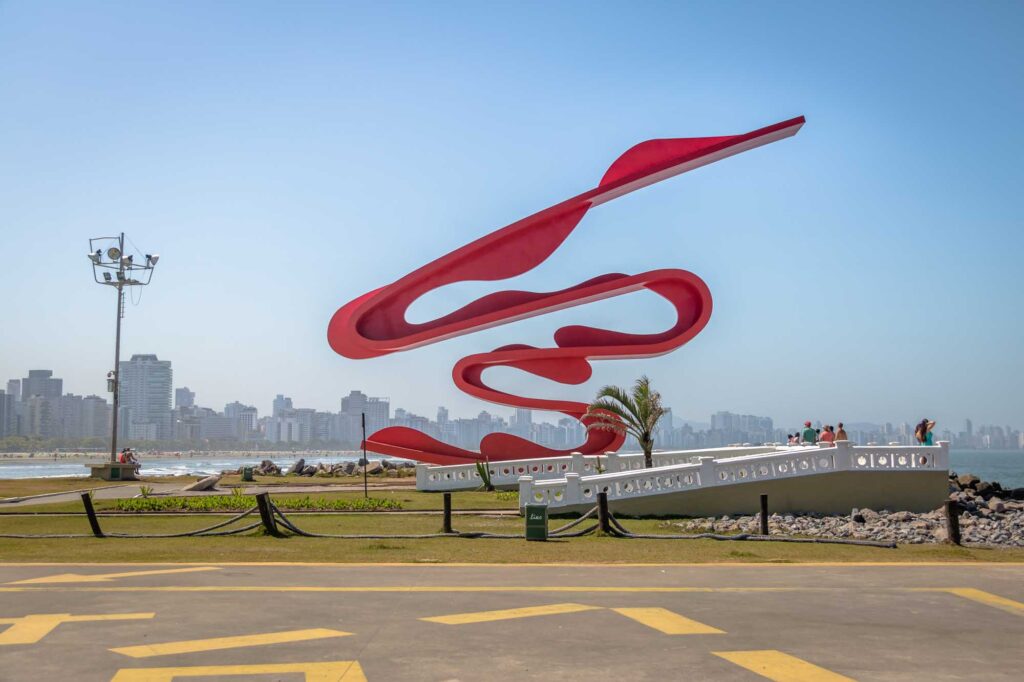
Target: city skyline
36, 406
868, 267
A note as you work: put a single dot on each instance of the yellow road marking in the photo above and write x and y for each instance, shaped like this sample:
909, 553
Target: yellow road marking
216, 643
508, 614
982, 597
668, 622
332, 671
104, 577
31, 629
780, 667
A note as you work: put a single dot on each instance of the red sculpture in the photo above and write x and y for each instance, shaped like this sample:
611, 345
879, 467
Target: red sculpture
375, 324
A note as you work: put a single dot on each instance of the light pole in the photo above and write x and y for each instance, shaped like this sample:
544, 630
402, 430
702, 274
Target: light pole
119, 271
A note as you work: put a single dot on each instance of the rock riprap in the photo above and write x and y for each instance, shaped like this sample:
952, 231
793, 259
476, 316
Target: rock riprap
990, 515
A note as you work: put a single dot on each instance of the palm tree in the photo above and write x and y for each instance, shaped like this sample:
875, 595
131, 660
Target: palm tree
635, 413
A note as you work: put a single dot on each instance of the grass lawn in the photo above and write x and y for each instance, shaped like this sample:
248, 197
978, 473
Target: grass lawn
253, 547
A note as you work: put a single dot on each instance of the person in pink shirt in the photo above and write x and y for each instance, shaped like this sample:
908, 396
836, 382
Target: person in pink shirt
827, 435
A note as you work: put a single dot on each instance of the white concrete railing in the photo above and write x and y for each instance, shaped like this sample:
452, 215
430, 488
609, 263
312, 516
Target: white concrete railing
573, 489
507, 473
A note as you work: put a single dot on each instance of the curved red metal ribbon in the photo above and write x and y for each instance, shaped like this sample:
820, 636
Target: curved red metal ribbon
375, 323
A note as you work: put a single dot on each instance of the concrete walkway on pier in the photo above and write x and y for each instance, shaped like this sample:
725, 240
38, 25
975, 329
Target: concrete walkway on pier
791, 623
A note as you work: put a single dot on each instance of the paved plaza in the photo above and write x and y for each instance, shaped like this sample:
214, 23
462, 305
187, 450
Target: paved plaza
129, 623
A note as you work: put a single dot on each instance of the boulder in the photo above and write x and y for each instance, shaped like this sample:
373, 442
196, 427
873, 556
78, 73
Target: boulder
268, 468
309, 471
968, 481
1017, 494
902, 516
208, 483
984, 488
869, 515
350, 468
297, 468
374, 468
996, 505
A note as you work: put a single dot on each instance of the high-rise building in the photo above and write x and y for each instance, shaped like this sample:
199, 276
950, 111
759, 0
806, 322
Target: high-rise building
281, 404
8, 418
145, 394
184, 397
41, 417
244, 416
95, 417
42, 383
71, 416
14, 389
377, 410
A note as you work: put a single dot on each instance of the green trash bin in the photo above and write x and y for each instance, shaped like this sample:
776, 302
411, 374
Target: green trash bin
247, 474
537, 522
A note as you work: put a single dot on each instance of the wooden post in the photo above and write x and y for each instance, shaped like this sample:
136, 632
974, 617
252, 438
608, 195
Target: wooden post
764, 515
953, 521
267, 514
447, 513
602, 513
91, 513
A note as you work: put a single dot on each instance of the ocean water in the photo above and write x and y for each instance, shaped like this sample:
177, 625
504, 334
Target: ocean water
1004, 466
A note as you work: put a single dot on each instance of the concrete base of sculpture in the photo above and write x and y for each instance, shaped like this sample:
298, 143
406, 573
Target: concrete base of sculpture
834, 493
113, 471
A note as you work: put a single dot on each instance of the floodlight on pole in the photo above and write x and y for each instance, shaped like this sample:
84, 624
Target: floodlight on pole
118, 271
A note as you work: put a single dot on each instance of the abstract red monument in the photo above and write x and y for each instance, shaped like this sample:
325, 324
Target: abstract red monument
375, 323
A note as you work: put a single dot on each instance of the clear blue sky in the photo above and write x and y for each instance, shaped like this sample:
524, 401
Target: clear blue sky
284, 158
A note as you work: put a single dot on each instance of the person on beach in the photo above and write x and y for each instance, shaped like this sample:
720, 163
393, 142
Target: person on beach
809, 435
923, 432
793, 439
841, 433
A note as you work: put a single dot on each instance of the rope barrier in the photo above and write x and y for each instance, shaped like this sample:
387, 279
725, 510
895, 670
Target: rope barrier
208, 531
286, 522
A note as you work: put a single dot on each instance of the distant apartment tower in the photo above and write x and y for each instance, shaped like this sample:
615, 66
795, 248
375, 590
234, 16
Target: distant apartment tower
245, 417
96, 415
184, 397
40, 404
41, 382
145, 397
14, 389
281, 404
377, 410
8, 417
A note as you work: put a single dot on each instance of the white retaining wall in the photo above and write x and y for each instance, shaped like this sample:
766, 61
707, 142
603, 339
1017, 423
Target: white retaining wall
572, 489
507, 473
